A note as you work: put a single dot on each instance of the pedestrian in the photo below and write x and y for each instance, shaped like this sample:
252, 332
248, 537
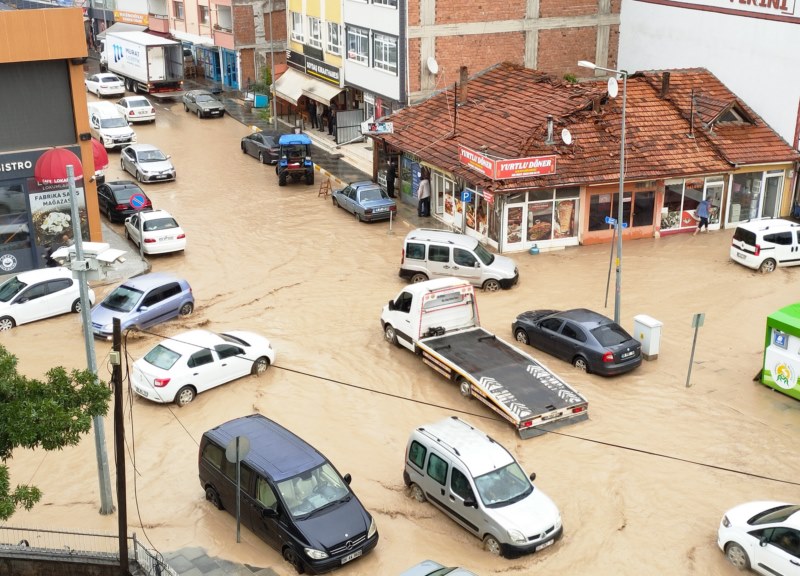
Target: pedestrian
332, 119
702, 214
49, 261
323, 117
391, 175
424, 194
312, 112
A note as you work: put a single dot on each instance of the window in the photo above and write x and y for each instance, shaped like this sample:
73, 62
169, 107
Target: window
228, 350
439, 253
314, 32
464, 258
459, 485
213, 454
334, 38
177, 8
780, 238
384, 52
437, 469
200, 358
358, 45
229, 469
202, 15
416, 453
35, 292
551, 324
297, 27
58, 285
573, 332
415, 251
389, 3
265, 494
403, 302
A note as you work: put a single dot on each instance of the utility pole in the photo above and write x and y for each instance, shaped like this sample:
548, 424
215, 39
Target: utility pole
80, 266
119, 447
272, 103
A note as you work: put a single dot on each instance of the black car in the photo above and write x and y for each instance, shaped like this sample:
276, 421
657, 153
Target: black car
114, 199
263, 146
586, 339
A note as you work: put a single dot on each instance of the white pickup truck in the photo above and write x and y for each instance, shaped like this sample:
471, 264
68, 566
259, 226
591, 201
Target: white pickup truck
438, 320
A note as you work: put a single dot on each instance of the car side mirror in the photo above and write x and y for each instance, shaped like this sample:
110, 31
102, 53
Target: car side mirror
22, 300
168, 156
477, 264
269, 513
391, 304
347, 479
470, 502
532, 476
144, 308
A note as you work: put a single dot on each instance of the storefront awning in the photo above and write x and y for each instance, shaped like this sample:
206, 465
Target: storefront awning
290, 85
320, 91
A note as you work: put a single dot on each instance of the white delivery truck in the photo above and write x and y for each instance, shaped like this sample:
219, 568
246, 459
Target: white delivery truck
146, 63
438, 320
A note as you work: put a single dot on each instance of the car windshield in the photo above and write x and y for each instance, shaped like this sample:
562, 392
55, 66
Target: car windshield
162, 357
159, 224
774, 515
610, 335
151, 156
118, 122
485, 256
11, 288
312, 491
123, 299
204, 98
372, 194
504, 486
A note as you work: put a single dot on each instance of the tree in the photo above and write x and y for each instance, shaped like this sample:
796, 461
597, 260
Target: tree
49, 414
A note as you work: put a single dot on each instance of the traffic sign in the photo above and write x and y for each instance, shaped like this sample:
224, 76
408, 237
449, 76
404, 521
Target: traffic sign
466, 196
137, 201
610, 220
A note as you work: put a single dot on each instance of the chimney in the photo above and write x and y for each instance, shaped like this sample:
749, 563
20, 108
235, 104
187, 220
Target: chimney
549, 129
596, 104
664, 85
463, 85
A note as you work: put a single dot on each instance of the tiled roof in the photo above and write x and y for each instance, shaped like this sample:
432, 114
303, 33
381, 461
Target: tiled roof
505, 116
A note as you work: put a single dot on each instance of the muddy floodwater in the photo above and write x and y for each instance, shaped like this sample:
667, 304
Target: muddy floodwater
641, 485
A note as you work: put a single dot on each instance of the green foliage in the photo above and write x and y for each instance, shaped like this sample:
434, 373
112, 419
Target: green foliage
263, 85
571, 78
49, 414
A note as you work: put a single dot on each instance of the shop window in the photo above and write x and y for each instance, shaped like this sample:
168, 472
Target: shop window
335, 39
644, 204
673, 205
314, 32
745, 196
599, 208
384, 52
388, 3
297, 27
358, 45
565, 219
540, 221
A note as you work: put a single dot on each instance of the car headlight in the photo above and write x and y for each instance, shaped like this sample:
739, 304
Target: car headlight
558, 522
517, 537
373, 528
726, 522
315, 554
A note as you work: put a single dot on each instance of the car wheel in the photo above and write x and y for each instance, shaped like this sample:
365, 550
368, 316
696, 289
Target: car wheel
737, 556
184, 396
580, 363
491, 285
199, 114
767, 266
76, 306
244, 148
282, 179
335, 203
139, 176
213, 497
185, 108
358, 216
309, 178
186, 309
492, 546
390, 335
261, 157
122, 165
418, 277
417, 493
464, 387
521, 336
292, 558
109, 213
7, 323
260, 366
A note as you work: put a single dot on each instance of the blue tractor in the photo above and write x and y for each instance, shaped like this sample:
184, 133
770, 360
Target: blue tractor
295, 159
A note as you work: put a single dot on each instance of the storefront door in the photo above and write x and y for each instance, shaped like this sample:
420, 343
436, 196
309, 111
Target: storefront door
231, 77
773, 182
513, 219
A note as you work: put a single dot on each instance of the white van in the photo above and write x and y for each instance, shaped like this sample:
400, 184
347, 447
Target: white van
766, 244
429, 254
479, 485
109, 126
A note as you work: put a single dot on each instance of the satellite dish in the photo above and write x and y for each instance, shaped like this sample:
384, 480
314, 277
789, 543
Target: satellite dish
432, 64
613, 87
566, 136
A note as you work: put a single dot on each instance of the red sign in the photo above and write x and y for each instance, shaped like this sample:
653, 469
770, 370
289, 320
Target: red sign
525, 167
51, 167
489, 196
476, 161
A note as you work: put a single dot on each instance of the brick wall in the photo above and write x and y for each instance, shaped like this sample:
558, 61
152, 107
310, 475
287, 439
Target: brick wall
248, 67
556, 8
560, 50
450, 12
278, 25
243, 29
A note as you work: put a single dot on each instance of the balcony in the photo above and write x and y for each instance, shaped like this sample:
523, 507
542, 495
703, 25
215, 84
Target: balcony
223, 37
158, 23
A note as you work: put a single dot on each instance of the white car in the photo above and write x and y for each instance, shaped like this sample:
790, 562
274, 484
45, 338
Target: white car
136, 109
146, 163
182, 366
105, 84
38, 294
160, 231
763, 536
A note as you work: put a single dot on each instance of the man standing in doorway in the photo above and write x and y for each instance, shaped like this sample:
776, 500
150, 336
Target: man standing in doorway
312, 113
702, 214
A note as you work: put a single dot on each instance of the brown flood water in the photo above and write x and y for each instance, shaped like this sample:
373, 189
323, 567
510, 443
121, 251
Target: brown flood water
286, 264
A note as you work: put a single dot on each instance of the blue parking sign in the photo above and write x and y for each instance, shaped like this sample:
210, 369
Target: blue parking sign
466, 196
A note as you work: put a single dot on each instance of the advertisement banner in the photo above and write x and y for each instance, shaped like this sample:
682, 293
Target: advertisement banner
525, 167
476, 161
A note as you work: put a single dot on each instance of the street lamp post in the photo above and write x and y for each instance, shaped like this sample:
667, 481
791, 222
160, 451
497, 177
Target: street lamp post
624, 74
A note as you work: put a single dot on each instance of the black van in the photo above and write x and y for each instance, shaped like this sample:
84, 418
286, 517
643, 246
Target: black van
292, 496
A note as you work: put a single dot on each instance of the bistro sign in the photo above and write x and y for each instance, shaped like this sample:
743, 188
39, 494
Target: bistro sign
508, 168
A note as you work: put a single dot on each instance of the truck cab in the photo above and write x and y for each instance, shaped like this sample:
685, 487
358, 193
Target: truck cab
295, 159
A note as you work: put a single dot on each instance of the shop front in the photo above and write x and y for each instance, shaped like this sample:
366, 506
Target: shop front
681, 197
757, 194
638, 211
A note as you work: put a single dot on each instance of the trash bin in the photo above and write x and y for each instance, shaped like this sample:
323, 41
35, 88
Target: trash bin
260, 101
647, 330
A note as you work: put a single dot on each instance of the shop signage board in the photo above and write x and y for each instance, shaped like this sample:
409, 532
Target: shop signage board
314, 67
476, 161
507, 168
780, 10
377, 128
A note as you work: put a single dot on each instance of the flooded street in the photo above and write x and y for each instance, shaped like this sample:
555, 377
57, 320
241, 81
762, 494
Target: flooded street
643, 483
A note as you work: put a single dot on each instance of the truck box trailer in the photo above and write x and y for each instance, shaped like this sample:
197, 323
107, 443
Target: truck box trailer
147, 63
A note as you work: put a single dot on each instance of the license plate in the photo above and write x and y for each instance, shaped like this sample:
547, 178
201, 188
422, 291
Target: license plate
628, 354
741, 256
163, 238
544, 545
141, 392
162, 177
352, 556
551, 416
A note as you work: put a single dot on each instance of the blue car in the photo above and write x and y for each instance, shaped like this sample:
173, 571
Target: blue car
142, 302
366, 200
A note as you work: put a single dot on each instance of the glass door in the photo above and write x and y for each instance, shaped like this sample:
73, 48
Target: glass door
513, 221
772, 194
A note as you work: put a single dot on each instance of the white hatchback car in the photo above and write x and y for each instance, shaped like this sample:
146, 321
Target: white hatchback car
136, 109
159, 229
105, 84
182, 366
39, 294
764, 536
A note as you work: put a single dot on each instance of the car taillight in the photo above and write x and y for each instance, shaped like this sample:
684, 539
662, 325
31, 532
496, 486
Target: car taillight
758, 249
160, 382
131, 113
149, 240
181, 236
608, 357
152, 110
121, 207
578, 409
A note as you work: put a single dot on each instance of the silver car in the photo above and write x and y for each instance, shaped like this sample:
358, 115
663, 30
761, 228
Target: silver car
202, 103
366, 200
147, 163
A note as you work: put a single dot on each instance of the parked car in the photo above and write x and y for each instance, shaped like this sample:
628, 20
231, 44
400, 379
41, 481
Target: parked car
202, 103
182, 366
114, 199
39, 294
147, 163
109, 126
263, 146
431, 568
763, 536
136, 109
766, 243
141, 302
366, 200
161, 232
586, 339
105, 84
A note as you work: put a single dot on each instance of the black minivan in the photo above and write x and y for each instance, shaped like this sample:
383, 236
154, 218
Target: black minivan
292, 496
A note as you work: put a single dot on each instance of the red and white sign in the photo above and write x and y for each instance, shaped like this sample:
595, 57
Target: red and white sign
525, 167
477, 161
488, 196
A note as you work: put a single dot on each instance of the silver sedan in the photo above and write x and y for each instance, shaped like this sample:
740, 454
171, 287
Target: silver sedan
147, 163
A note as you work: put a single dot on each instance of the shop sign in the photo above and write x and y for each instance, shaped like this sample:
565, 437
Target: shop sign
377, 128
323, 71
476, 161
488, 196
780, 10
131, 17
296, 60
525, 167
